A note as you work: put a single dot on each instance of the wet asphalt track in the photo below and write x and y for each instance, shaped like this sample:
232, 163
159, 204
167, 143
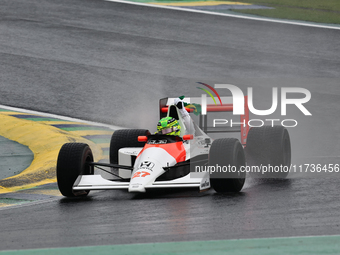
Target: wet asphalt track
97, 60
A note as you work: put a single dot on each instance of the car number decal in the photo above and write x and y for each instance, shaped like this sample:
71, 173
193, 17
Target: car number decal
140, 174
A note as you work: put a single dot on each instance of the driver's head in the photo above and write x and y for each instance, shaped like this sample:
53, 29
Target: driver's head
168, 126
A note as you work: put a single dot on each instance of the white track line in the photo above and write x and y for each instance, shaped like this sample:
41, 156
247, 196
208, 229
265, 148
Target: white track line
229, 15
49, 115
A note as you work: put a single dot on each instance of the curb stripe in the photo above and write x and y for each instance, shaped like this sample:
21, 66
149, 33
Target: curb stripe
83, 133
60, 117
305, 24
75, 127
45, 142
199, 3
33, 117
44, 134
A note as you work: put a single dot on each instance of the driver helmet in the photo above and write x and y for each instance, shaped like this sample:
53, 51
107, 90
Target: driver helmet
168, 126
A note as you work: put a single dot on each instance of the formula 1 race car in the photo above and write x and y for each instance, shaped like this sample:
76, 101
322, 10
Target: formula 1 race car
141, 161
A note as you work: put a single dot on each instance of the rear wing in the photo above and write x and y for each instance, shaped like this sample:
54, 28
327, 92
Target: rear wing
242, 127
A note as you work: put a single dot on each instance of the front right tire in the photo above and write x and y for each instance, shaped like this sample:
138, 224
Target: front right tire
228, 153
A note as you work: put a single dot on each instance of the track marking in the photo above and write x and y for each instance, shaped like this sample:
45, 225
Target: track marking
200, 3
45, 142
257, 246
54, 116
229, 15
26, 127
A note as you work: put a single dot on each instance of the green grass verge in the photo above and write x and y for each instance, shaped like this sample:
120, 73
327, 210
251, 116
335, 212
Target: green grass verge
321, 11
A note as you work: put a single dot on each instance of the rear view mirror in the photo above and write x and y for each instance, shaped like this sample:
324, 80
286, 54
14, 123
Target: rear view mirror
142, 138
188, 137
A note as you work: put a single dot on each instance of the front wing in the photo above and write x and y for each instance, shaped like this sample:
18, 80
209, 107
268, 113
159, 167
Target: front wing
97, 182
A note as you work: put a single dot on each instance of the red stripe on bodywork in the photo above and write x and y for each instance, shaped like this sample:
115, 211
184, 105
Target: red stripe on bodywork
176, 150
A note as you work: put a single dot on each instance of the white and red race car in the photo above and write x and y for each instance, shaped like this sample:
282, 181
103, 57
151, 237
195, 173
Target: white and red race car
141, 161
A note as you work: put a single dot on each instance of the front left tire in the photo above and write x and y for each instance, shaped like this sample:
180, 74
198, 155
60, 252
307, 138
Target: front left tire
73, 160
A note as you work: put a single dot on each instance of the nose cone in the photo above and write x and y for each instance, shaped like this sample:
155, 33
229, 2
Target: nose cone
148, 166
143, 176
146, 171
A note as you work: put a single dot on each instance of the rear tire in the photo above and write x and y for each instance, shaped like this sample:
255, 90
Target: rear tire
73, 160
227, 152
124, 138
269, 146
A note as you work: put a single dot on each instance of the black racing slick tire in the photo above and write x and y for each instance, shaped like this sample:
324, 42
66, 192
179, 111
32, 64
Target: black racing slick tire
268, 147
227, 153
124, 138
73, 160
